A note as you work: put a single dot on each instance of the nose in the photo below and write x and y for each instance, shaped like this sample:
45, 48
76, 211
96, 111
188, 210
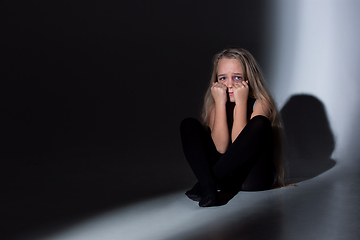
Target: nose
229, 83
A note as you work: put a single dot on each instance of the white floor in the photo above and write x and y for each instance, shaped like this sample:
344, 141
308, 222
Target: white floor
326, 207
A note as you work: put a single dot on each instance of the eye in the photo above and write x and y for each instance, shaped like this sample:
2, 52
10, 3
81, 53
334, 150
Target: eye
238, 78
222, 79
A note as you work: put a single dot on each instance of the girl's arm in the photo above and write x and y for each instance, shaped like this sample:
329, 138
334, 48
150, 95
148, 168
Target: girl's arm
219, 127
218, 119
241, 93
240, 119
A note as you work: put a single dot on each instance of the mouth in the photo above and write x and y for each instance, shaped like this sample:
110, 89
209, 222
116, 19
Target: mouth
231, 93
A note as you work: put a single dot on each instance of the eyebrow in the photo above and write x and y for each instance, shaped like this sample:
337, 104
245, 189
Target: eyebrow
223, 74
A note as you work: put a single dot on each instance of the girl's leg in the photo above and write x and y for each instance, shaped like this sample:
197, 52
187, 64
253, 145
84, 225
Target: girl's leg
255, 175
261, 177
249, 160
201, 155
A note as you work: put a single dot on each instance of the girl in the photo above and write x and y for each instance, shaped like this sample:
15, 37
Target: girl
233, 147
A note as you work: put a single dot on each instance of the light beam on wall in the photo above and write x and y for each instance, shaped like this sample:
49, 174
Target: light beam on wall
314, 49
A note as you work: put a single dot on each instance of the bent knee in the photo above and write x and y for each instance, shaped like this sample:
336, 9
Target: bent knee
189, 123
260, 122
261, 119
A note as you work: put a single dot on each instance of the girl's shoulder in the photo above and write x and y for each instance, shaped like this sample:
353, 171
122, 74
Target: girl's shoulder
250, 106
261, 107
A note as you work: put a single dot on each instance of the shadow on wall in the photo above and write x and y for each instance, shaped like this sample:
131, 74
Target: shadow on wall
309, 139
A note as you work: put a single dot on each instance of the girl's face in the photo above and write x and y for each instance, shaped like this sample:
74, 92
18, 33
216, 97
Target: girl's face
229, 72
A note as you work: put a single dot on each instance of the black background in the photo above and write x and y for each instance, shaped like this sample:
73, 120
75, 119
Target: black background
92, 95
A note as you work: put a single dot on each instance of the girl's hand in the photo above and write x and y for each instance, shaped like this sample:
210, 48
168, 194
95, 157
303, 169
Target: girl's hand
218, 91
241, 92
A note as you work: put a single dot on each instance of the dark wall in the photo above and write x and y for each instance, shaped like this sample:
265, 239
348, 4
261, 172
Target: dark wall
94, 73
92, 94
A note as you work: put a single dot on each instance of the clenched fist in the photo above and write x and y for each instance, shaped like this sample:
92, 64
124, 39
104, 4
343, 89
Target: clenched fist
241, 91
218, 91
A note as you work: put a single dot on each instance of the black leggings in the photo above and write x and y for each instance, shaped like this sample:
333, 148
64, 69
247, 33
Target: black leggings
246, 165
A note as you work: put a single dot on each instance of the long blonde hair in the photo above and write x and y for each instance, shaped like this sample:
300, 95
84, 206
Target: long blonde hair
257, 90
